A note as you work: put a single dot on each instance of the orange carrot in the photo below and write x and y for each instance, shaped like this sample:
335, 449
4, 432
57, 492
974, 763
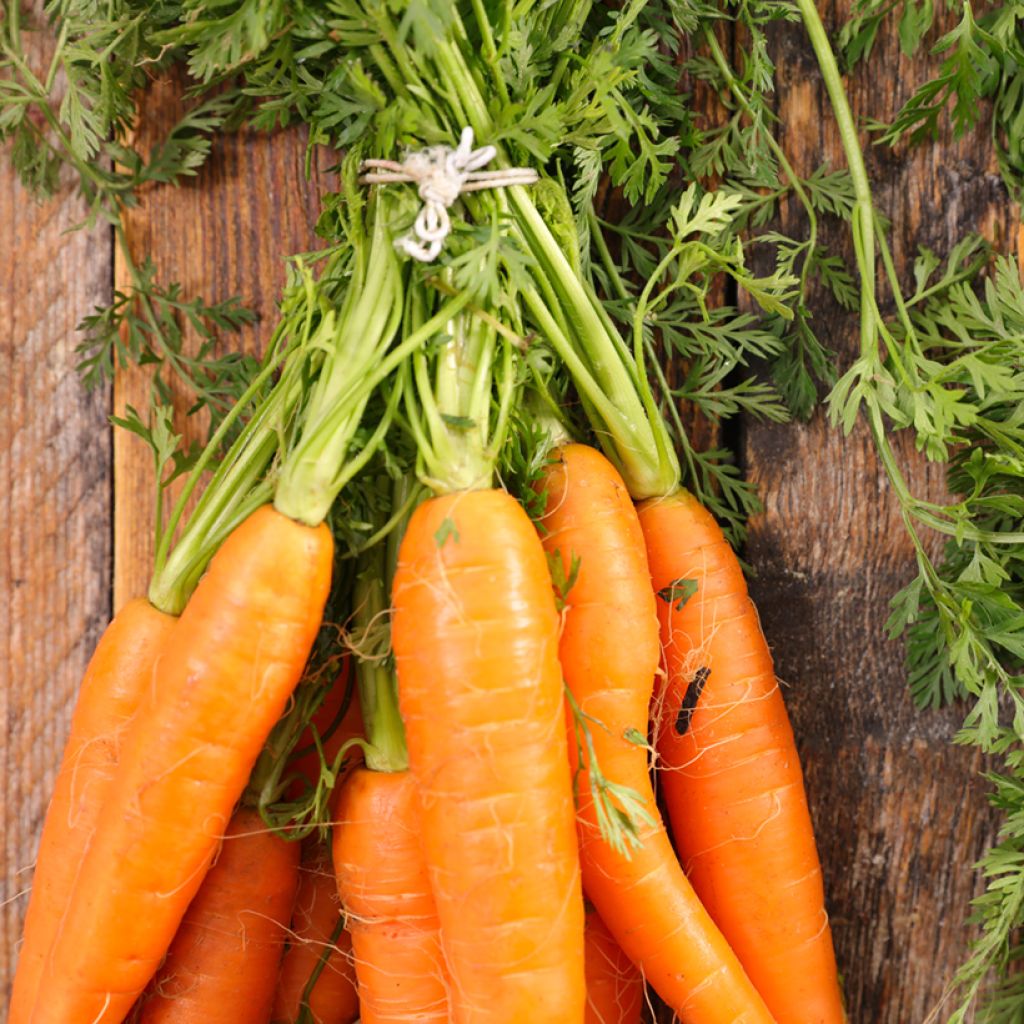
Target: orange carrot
609, 653
318, 944
225, 673
382, 881
615, 988
379, 862
222, 965
316, 931
475, 635
731, 778
112, 688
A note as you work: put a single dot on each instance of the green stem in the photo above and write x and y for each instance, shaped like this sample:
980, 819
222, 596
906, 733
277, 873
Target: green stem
507, 391
677, 420
14, 23
489, 51
234, 490
398, 516
58, 50
780, 154
394, 78
863, 214
597, 235
378, 687
894, 283
305, 1011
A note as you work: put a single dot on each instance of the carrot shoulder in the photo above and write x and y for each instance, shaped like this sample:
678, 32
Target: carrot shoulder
383, 884
731, 777
475, 635
113, 685
223, 678
222, 965
609, 652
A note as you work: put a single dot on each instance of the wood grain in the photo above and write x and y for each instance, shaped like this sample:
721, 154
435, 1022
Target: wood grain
226, 232
55, 509
900, 813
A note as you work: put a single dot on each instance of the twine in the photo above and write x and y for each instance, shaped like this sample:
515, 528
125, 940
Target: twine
441, 174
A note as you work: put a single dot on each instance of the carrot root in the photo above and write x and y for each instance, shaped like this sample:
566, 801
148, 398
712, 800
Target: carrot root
223, 678
732, 778
222, 965
112, 688
475, 635
382, 881
314, 932
609, 651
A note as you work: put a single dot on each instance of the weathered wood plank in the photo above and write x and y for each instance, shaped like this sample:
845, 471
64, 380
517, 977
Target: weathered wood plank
226, 232
900, 813
55, 507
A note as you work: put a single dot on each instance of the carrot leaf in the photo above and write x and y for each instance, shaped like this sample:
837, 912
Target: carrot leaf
561, 581
678, 592
620, 811
446, 531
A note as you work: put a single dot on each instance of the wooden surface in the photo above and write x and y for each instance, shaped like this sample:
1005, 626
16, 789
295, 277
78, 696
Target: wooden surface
899, 812
55, 511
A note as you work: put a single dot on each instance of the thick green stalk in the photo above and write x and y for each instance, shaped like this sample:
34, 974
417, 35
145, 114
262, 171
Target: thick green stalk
458, 394
355, 341
616, 394
457, 405
385, 749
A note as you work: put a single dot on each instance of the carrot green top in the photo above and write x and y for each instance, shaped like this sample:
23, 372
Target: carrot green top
384, 749
611, 381
241, 478
459, 393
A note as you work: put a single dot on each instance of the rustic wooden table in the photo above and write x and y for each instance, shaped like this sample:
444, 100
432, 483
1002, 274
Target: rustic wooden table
900, 813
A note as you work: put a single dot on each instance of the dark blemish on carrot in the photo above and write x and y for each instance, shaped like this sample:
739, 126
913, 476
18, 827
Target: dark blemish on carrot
690, 698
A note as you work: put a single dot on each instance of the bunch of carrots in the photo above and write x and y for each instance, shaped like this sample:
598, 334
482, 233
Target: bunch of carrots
380, 741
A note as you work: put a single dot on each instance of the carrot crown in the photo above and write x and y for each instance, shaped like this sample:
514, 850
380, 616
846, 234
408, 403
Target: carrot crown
353, 341
358, 357
241, 479
454, 416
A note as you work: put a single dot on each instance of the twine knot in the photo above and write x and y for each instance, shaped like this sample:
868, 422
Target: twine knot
441, 174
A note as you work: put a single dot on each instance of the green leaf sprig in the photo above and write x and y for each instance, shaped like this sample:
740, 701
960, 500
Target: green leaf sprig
950, 368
